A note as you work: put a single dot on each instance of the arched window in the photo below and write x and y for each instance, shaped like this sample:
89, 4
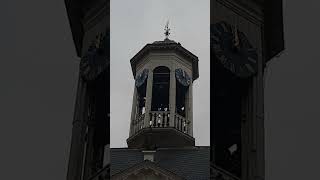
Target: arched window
160, 89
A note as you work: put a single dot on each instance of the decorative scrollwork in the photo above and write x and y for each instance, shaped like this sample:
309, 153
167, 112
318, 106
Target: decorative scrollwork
183, 77
140, 79
94, 62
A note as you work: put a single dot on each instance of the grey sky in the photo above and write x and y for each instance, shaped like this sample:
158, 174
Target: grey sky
39, 71
141, 22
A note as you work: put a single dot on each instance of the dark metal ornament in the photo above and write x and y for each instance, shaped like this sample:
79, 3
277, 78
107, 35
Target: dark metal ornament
233, 49
183, 77
140, 79
94, 62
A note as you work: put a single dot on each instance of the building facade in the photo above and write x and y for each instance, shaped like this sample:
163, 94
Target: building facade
89, 22
245, 35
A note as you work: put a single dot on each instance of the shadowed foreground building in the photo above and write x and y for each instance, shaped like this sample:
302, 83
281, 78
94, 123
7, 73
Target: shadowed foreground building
89, 22
245, 35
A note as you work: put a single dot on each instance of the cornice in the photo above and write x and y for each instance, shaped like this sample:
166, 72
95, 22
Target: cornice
243, 10
95, 15
163, 47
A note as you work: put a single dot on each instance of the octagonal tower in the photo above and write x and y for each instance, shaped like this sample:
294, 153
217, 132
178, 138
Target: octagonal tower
162, 114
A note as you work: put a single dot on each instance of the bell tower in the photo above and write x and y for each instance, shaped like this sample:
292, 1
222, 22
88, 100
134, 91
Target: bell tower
162, 114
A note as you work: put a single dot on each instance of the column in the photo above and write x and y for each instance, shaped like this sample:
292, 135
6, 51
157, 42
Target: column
259, 125
190, 109
133, 110
256, 159
246, 132
148, 99
89, 163
75, 166
172, 96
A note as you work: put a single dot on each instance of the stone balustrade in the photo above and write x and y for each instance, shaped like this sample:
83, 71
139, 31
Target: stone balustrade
138, 123
162, 119
159, 119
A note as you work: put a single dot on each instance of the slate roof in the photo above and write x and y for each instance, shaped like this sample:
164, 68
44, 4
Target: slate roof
192, 163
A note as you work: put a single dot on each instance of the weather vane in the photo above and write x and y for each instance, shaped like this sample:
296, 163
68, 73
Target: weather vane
167, 30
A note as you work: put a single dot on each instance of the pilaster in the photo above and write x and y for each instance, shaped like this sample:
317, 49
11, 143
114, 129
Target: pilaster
172, 97
190, 109
148, 99
133, 110
75, 165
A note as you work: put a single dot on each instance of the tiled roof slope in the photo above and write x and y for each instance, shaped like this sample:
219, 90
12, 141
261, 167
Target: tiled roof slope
191, 163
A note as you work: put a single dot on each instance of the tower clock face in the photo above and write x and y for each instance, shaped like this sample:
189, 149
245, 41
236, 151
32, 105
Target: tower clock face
94, 61
183, 77
233, 49
140, 79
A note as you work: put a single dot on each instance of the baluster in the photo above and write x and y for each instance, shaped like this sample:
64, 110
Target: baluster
178, 121
155, 120
177, 118
150, 120
187, 127
159, 120
175, 121
168, 119
184, 126
141, 121
163, 119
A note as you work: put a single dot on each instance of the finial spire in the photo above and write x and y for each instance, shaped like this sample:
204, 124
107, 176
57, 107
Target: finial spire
167, 30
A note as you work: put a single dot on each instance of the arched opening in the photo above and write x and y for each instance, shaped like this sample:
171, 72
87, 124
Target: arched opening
160, 89
228, 94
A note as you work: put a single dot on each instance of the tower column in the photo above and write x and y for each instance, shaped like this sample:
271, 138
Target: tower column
172, 97
259, 124
148, 99
133, 110
75, 166
189, 108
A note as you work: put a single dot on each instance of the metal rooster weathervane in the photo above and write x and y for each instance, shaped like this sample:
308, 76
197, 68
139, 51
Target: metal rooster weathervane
167, 30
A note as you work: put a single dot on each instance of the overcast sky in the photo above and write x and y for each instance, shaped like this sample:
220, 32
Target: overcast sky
141, 22
39, 72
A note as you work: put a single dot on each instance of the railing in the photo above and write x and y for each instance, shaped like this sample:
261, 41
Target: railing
159, 119
162, 119
181, 123
138, 123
